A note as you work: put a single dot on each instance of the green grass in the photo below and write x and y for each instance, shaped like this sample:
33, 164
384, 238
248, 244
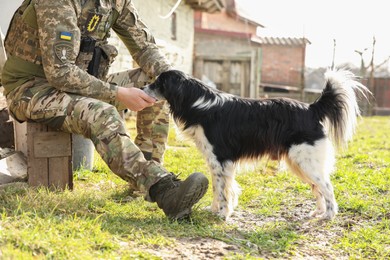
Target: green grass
101, 219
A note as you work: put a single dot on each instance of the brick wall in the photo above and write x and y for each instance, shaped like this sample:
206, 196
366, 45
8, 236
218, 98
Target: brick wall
179, 52
282, 64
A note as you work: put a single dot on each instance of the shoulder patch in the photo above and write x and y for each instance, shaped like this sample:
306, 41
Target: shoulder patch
93, 22
67, 36
63, 51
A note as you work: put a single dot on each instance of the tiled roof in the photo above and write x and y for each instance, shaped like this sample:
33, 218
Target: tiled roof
283, 41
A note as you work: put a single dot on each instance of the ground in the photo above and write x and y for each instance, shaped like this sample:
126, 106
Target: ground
319, 247
270, 222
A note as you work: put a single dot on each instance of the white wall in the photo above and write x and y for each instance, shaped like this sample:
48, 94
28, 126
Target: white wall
7, 9
180, 51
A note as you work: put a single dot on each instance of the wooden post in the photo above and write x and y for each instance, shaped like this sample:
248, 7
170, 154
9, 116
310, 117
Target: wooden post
253, 76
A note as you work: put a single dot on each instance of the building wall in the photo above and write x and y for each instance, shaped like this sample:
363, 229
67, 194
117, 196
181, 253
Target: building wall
211, 44
228, 62
225, 56
179, 52
282, 64
222, 21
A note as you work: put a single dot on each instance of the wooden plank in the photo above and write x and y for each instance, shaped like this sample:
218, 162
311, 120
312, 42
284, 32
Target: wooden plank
52, 144
37, 170
226, 75
60, 173
252, 75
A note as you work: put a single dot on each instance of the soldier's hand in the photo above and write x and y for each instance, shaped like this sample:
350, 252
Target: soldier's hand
134, 98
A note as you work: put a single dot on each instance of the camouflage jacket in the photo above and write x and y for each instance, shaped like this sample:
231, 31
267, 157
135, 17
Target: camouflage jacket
44, 40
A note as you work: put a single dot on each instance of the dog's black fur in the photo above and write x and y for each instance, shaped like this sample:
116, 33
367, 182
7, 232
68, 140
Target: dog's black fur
228, 128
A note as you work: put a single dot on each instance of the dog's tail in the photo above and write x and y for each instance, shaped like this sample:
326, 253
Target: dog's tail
337, 107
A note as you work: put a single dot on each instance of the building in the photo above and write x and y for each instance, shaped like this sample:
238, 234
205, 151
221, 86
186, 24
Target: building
173, 31
227, 51
230, 54
283, 66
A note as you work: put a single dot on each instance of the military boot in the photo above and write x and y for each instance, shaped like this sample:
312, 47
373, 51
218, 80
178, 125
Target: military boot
176, 197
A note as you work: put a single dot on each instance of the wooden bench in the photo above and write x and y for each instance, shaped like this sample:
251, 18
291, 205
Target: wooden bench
49, 155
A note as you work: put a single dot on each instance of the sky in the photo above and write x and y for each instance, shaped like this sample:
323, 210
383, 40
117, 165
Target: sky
351, 23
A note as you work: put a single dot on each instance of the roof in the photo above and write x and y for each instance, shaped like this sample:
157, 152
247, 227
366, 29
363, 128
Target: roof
283, 41
209, 6
233, 8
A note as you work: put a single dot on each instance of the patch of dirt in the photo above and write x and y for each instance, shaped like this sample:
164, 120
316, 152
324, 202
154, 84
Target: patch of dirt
317, 243
195, 249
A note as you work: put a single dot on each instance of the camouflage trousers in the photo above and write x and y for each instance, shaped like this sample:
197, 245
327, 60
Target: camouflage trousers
99, 121
152, 122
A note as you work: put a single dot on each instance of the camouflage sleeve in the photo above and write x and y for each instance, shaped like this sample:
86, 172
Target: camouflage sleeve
59, 38
139, 41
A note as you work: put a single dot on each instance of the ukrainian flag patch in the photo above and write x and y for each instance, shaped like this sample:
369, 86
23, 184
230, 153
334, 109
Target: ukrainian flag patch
67, 36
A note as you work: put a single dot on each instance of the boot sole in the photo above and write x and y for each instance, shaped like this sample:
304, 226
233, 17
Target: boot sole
194, 188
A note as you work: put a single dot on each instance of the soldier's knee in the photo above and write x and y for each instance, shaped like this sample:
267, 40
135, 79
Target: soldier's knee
106, 116
102, 109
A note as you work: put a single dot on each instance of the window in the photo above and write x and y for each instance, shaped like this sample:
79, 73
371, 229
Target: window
173, 26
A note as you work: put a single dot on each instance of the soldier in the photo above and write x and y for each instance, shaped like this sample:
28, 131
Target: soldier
56, 73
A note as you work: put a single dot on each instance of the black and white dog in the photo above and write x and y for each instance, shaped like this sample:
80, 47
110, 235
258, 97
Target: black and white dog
227, 129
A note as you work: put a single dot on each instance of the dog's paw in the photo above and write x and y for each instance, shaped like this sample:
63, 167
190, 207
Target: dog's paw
215, 207
225, 213
327, 215
217, 213
316, 213
210, 209
222, 217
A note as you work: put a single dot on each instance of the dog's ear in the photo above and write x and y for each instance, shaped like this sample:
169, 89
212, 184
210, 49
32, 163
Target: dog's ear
170, 84
170, 81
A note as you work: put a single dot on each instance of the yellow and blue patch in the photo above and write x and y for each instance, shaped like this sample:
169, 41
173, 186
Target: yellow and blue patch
67, 36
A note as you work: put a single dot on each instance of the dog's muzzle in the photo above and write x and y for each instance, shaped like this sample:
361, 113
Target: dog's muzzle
153, 92
149, 92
